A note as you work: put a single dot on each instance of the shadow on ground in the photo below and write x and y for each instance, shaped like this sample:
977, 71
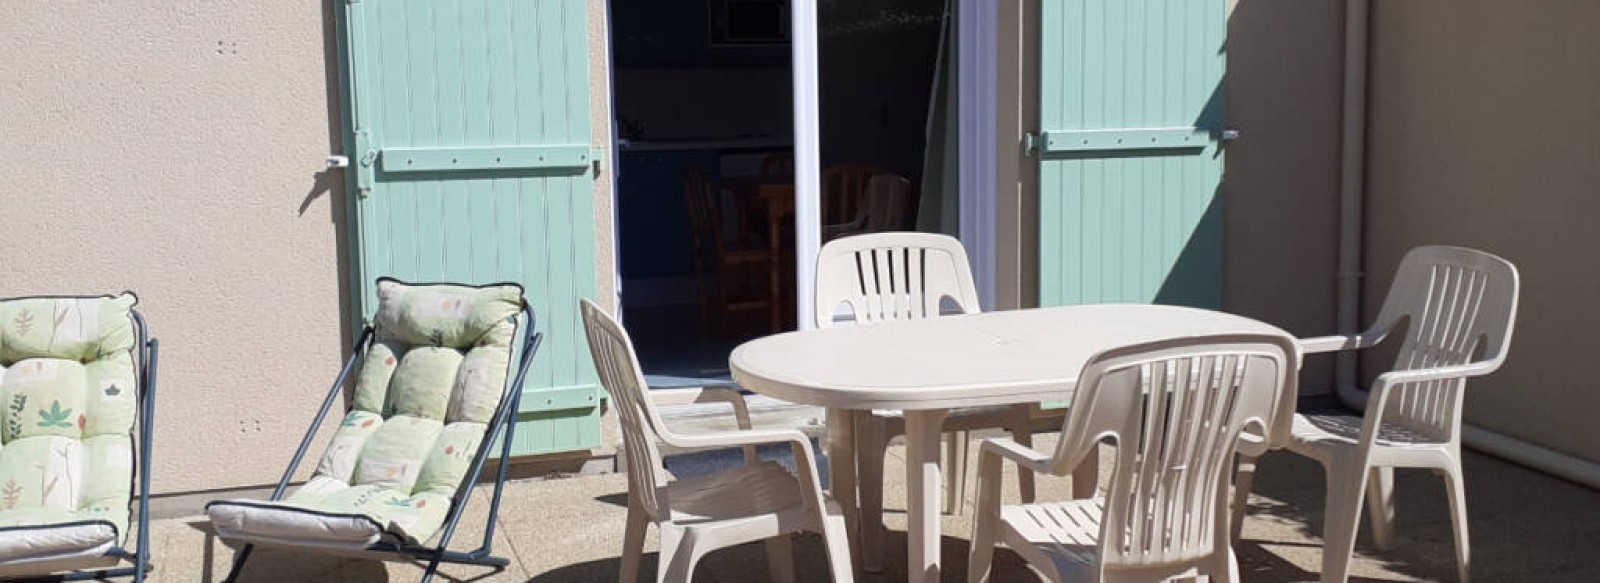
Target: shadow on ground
748, 563
1524, 526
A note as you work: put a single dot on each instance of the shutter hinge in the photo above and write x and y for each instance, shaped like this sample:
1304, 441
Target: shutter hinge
365, 175
1030, 144
598, 157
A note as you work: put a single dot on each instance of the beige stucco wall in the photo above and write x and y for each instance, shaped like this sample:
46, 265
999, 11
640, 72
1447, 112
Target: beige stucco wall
1281, 182
1485, 132
176, 149
605, 247
1280, 193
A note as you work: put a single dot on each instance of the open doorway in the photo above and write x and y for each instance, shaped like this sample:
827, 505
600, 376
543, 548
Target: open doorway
703, 93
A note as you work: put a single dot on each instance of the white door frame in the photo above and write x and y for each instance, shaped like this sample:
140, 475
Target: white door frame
977, 45
807, 159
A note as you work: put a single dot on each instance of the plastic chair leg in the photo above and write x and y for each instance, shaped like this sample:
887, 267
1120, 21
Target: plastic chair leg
633, 542
1341, 518
679, 553
838, 543
1243, 481
1456, 488
1022, 433
1380, 506
1228, 573
955, 472
780, 558
985, 520
871, 442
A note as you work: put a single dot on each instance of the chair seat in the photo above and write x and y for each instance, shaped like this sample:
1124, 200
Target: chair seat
747, 491
72, 539
331, 514
1320, 433
1067, 533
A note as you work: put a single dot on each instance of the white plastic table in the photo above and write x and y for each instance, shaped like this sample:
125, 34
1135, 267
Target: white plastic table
926, 367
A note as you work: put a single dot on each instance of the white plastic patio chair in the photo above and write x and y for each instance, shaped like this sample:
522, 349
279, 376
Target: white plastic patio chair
1174, 410
1461, 305
884, 277
757, 501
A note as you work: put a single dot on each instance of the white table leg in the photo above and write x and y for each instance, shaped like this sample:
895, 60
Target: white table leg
922, 493
842, 475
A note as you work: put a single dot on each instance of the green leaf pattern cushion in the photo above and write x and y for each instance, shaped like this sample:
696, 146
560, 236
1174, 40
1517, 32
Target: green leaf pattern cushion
68, 400
425, 392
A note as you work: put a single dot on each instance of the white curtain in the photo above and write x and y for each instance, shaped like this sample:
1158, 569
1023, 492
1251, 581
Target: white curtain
940, 208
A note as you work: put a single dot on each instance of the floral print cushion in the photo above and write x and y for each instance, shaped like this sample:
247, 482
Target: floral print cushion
68, 400
426, 389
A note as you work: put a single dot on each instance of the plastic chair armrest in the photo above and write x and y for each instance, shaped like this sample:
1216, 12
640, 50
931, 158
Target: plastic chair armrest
1025, 457
1459, 371
712, 394
715, 394
1253, 444
1335, 343
805, 457
728, 439
1378, 398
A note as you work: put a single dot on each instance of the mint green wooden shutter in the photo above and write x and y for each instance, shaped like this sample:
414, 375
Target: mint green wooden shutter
471, 162
1130, 107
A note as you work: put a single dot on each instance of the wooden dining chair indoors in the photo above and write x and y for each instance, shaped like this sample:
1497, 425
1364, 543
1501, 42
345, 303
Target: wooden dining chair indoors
1460, 305
1173, 409
759, 501
777, 168
732, 269
891, 204
844, 188
885, 206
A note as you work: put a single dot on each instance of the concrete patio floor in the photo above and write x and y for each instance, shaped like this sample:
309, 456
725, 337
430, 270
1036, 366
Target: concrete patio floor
1526, 527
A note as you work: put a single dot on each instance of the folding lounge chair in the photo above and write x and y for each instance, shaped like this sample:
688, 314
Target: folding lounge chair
433, 389
77, 375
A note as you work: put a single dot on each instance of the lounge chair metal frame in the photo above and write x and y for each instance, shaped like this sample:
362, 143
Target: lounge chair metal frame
504, 418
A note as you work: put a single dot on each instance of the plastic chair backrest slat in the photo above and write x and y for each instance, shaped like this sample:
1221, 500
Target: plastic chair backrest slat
1174, 409
621, 376
892, 276
1459, 302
